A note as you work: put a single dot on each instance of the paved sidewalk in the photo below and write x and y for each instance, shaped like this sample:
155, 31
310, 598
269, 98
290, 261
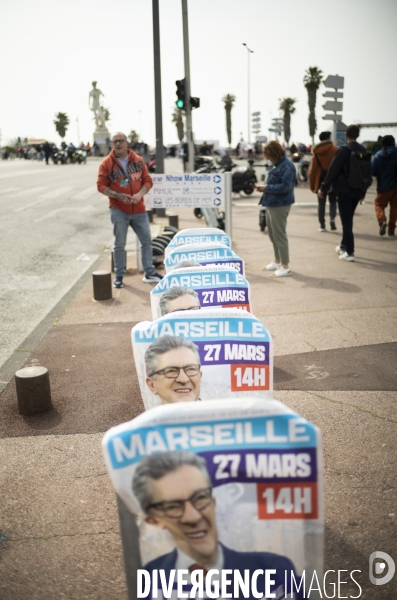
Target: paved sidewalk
334, 327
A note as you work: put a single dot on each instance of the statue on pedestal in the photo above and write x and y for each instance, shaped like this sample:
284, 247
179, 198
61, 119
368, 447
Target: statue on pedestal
95, 106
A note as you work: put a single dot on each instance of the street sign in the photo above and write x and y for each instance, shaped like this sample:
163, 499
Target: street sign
333, 95
186, 190
277, 130
333, 105
256, 114
332, 117
334, 81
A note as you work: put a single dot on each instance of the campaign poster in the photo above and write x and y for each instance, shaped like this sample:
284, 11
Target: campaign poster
216, 287
234, 349
203, 235
222, 485
212, 253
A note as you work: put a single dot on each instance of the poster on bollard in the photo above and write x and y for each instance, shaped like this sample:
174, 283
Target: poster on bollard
234, 349
205, 254
215, 286
216, 486
186, 190
205, 235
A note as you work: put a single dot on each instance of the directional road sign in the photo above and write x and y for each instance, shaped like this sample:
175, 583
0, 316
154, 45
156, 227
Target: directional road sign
333, 95
332, 117
334, 81
333, 105
256, 114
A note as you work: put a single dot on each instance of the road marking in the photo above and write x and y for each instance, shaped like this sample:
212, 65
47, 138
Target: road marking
51, 214
9, 189
55, 193
30, 191
84, 194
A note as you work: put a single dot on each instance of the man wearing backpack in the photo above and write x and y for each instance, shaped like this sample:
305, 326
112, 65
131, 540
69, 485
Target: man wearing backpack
384, 168
323, 153
350, 177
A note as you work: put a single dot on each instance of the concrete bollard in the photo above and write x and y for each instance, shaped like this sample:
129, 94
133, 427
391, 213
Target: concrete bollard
173, 220
113, 262
102, 284
33, 390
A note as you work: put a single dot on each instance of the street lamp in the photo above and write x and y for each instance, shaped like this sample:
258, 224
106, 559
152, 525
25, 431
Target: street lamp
249, 129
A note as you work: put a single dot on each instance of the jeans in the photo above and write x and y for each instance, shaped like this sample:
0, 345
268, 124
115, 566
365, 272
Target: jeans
276, 226
321, 207
347, 204
140, 225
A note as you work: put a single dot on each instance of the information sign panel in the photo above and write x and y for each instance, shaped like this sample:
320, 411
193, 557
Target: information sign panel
186, 190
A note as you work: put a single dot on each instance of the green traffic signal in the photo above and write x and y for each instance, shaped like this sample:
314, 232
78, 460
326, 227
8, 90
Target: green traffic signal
180, 103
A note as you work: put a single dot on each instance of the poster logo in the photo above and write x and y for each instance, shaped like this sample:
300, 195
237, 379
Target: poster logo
379, 567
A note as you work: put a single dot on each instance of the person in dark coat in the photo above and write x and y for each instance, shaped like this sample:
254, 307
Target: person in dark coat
384, 168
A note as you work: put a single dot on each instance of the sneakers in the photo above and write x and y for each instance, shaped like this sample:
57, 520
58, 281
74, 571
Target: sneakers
273, 266
118, 282
152, 278
391, 233
348, 257
332, 225
281, 272
382, 228
340, 250
322, 229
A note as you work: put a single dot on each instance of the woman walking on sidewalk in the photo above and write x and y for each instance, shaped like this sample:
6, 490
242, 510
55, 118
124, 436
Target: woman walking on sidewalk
278, 197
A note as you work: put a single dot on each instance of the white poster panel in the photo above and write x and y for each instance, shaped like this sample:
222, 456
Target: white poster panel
222, 485
215, 286
235, 348
204, 235
206, 254
186, 190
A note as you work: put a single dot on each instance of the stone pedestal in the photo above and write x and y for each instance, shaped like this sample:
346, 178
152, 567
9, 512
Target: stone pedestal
102, 138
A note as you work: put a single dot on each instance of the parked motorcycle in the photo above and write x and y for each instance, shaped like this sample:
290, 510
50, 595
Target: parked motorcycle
244, 179
60, 157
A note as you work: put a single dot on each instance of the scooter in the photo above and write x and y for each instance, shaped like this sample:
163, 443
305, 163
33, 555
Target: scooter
244, 179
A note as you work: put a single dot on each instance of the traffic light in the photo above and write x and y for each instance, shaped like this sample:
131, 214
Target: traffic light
194, 102
181, 94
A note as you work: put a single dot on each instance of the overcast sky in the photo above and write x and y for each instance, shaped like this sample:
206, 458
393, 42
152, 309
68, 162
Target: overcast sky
53, 50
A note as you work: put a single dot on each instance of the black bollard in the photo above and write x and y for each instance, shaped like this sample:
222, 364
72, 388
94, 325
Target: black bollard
102, 284
173, 220
33, 390
150, 215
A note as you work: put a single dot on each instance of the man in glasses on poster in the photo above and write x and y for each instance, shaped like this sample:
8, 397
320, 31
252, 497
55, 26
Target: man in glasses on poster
174, 491
173, 369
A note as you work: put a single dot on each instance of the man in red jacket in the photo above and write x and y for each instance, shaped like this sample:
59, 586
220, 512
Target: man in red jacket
323, 154
123, 177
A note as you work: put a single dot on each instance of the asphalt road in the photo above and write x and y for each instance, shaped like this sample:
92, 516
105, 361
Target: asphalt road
54, 226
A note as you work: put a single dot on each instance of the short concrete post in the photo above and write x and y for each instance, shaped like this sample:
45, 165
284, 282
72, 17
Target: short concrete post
33, 390
173, 221
102, 284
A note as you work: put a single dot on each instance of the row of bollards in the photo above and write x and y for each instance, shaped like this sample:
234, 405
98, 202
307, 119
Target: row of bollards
33, 383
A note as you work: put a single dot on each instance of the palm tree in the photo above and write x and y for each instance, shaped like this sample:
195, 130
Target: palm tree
288, 108
61, 123
312, 79
133, 136
178, 120
229, 101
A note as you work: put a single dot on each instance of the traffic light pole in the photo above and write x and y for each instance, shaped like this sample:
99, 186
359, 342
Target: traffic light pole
189, 129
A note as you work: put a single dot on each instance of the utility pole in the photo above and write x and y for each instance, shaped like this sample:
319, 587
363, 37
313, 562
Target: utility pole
189, 129
157, 94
